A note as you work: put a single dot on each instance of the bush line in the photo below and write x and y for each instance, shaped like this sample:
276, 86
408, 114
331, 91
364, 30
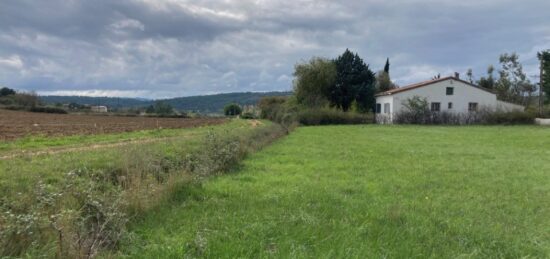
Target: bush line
89, 210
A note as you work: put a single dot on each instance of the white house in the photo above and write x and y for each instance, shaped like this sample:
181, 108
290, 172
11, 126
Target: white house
101, 109
450, 94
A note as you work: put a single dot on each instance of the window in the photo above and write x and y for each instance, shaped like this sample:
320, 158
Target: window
378, 108
450, 106
436, 107
450, 90
472, 107
387, 108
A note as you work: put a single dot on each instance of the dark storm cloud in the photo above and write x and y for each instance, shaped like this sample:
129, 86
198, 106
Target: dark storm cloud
176, 47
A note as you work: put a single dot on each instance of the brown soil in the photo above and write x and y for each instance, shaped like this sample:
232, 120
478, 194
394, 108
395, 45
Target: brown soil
17, 124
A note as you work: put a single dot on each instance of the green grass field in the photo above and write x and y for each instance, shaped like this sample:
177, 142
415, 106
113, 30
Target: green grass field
19, 174
367, 192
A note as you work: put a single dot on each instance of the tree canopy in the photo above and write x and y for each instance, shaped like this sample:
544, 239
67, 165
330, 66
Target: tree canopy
354, 83
544, 57
4, 91
313, 81
232, 109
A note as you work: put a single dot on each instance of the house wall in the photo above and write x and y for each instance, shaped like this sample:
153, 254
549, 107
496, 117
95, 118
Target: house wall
437, 92
508, 107
383, 117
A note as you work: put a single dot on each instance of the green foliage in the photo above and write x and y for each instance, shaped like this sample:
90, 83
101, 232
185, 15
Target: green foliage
160, 108
509, 118
354, 82
489, 81
544, 57
327, 116
367, 192
48, 110
248, 116
387, 66
201, 104
513, 85
4, 91
417, 112
313, 81
21, 100
383, 82
77, 215
232, 109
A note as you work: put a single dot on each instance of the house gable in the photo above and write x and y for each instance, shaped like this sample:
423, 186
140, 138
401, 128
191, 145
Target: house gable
431, 82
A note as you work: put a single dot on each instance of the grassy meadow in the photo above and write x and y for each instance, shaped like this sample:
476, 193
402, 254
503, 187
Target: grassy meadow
366, 192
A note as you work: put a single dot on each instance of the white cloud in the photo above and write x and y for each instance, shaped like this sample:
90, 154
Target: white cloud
12, 62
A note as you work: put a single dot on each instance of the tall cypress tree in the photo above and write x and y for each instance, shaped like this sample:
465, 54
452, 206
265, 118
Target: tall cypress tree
354, 82
387, 66
544, 57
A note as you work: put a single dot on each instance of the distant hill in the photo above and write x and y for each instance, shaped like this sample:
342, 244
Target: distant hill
112, 102
203, 103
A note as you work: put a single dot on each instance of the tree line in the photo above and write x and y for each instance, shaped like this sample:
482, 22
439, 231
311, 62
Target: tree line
346, 83
512, 83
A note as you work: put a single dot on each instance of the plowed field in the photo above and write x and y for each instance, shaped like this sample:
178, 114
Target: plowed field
16, 124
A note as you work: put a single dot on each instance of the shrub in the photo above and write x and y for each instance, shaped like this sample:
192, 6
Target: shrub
484, 116
248, 116
509, 118
88, 210
48, 110
232, 109
325, 116
4, 91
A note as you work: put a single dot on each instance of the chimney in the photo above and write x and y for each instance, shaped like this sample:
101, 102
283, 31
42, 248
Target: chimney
457, 75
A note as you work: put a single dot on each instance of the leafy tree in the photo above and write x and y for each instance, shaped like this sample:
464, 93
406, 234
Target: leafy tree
4, 91
313, 81
470, 75
513, 84
354, 82
232, 109
383, 81
544, 57
160, 108
489, 81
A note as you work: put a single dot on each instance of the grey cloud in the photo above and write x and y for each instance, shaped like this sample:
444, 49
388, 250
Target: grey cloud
179, 47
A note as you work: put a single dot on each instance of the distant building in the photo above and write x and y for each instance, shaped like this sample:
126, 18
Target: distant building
447, 94
99, 109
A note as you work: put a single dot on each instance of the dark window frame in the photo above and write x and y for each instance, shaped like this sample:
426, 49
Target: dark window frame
450, 106
435, 107
378, 108
450, 91
472, 107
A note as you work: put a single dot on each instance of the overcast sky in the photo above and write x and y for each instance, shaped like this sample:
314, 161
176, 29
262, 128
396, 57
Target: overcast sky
155, 49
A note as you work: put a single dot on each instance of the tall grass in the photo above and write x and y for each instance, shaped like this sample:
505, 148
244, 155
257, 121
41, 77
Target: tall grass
88, 210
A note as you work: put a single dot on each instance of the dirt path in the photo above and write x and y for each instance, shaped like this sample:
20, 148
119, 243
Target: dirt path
52, 151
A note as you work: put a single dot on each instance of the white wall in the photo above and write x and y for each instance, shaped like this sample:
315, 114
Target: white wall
462, 96
383, 117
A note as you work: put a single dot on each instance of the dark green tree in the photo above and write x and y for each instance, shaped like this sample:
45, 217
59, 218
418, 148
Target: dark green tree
160, 108
232, 109
4, 91
387, 66
513, 84
489, 81
544, 57
354, 83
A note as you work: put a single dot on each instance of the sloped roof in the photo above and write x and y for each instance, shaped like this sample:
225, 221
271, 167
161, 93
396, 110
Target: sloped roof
425, 83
